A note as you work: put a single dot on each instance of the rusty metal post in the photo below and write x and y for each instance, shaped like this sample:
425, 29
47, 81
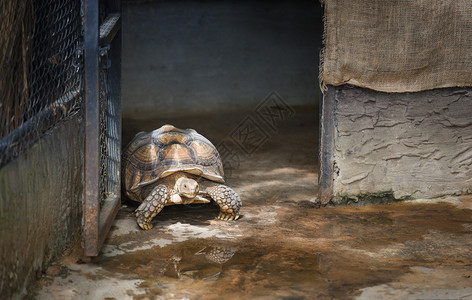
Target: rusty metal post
102, 63
92, 134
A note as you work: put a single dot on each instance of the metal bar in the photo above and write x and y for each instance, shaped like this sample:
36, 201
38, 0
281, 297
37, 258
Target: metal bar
327, 130
39, 124
92, 138
110, 28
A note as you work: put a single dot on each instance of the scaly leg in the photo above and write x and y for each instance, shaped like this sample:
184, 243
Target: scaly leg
151, 206
228, 201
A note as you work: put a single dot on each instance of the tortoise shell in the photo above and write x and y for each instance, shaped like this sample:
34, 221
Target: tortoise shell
151, 156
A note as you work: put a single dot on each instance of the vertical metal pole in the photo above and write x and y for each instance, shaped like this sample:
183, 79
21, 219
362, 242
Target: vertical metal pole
92, 132
327, 130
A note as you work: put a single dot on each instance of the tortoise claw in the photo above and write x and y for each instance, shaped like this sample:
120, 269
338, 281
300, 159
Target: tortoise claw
227, 217
145, 226
228, 200
143, 220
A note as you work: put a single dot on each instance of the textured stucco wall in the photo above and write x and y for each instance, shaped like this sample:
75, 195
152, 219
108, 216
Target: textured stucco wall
40, 206
413, 144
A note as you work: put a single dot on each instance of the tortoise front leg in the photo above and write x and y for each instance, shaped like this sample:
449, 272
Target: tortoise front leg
228, 201
151, 206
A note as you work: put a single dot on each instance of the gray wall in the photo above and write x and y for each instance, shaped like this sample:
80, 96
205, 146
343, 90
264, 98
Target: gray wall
41, 195
214, 55
412, 144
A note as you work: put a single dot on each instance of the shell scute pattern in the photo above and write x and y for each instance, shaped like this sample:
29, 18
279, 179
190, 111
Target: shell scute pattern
154, 155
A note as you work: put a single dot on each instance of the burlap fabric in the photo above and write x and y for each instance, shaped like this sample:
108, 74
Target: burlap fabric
397, 45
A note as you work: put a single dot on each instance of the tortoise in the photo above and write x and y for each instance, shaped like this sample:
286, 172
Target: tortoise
174, 166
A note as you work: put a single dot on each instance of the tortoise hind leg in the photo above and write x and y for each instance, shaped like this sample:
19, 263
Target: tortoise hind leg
151, 206
227, 199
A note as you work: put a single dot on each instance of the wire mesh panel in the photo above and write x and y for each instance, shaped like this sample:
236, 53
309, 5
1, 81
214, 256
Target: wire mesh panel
110, 118
40, 70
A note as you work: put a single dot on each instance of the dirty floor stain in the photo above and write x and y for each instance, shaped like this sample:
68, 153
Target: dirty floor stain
283, 247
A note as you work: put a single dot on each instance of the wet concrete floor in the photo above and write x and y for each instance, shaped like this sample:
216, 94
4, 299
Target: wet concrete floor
283, 247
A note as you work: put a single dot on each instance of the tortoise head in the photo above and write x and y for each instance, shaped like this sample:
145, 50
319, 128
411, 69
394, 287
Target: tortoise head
187, 187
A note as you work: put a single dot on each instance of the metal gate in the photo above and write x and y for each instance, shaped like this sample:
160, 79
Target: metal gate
102, 65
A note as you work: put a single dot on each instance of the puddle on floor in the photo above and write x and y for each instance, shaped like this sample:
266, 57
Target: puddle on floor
306, 253
209, 269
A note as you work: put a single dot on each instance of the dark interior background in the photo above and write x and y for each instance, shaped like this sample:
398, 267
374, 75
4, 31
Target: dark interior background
207, 56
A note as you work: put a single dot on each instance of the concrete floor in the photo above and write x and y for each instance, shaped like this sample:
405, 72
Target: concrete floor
282, 247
